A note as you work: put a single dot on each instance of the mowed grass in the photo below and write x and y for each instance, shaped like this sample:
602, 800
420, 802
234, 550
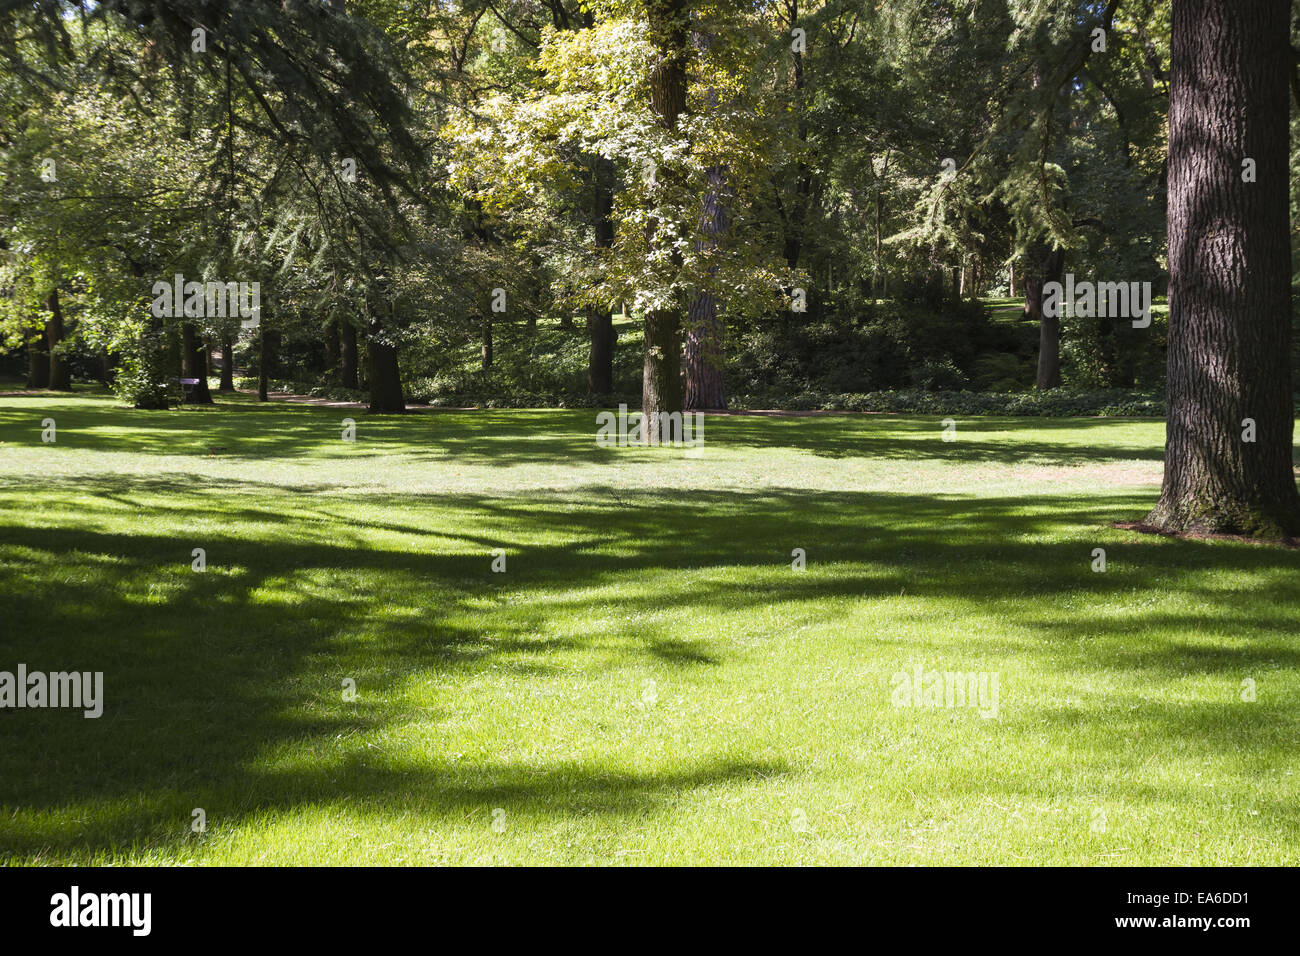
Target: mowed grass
650, 681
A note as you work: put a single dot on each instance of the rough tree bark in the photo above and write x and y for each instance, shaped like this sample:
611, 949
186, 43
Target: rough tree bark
661, 385
1229, 265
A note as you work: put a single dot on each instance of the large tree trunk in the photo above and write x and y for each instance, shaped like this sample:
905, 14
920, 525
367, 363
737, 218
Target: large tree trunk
382, 374
348, 340
194, 365
661, 382
60, 373
705, 388
1229, 265
661, 387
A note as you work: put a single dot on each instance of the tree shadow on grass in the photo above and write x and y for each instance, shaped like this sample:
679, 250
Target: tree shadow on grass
505, 439
352, 783
206, 674
258, 432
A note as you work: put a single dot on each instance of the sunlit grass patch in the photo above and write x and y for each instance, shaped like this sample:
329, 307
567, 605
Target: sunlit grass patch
651, 680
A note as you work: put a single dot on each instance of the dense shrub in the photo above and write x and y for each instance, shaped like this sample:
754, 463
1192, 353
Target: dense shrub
1110, 353
888, 346
147, 377
905, 356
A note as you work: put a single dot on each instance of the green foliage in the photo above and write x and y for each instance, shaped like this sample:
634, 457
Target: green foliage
1102, 353
1056, 403
891, 345
147, 376
490, 137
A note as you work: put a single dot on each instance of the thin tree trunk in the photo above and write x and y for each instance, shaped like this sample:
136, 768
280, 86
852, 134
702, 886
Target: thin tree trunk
1049, 326
332, 347
661, 387
485, 353
876, 284
600, 324
263, 362
227, 365
798, 219
1229, 264
1049, 344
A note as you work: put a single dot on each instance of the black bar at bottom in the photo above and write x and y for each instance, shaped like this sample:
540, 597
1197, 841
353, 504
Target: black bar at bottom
1222, 906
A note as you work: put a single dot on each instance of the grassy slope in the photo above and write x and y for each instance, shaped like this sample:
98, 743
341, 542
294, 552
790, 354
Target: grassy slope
1121, 736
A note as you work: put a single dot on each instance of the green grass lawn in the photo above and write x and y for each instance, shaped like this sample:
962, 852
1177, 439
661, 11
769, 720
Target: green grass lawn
650, 681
